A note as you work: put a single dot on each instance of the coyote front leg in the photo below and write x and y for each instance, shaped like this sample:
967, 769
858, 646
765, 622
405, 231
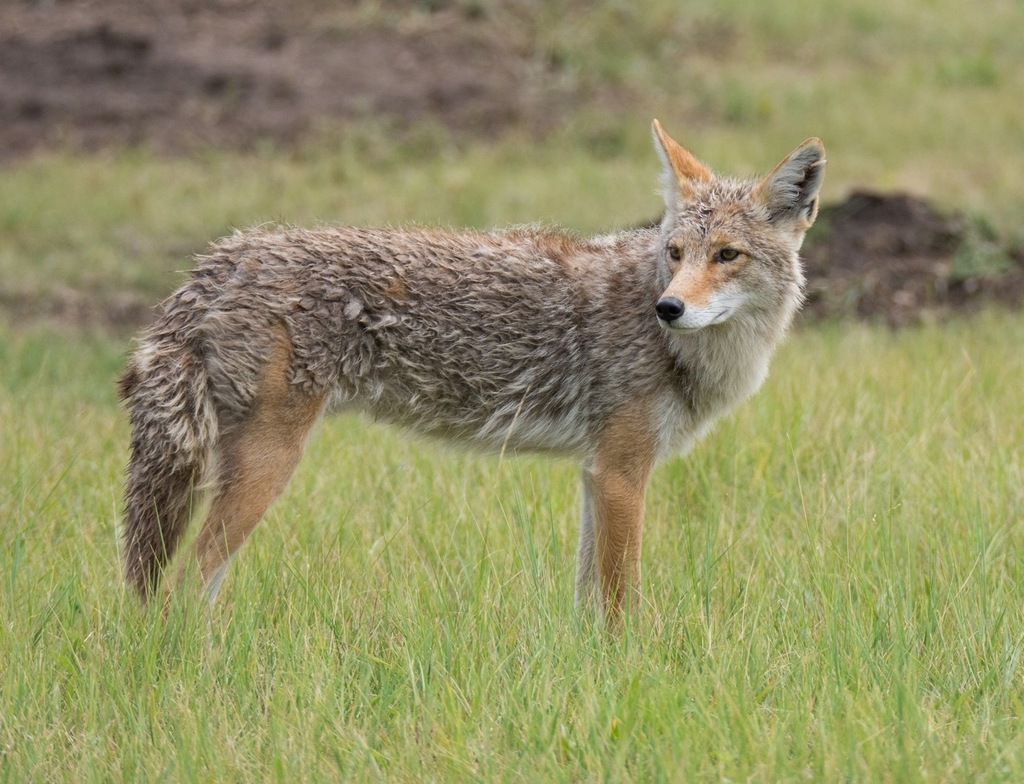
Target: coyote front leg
587, 581
612, 514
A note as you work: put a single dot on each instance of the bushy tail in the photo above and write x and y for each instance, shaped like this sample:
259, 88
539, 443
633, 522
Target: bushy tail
174, 430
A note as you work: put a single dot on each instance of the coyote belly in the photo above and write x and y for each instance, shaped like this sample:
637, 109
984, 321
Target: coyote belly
616, 350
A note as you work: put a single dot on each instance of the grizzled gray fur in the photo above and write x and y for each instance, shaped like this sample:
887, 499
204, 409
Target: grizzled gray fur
526, 339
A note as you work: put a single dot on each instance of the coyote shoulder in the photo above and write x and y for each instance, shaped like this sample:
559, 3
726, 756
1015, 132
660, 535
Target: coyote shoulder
616, 350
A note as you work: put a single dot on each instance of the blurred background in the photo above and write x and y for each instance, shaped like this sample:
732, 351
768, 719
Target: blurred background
134, 131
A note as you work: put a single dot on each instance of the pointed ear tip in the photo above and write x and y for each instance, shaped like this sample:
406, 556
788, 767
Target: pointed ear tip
815, 143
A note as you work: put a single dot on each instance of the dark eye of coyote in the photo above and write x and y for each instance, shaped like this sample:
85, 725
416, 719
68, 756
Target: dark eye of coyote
727, 254
674, 253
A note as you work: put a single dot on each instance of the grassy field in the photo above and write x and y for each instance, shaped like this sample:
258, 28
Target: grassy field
832, 579
832, 585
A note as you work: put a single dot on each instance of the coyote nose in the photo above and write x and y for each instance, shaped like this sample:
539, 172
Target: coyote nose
669, 308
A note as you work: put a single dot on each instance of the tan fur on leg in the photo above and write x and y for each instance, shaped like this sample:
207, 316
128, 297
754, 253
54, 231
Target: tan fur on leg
616, 485
257, 461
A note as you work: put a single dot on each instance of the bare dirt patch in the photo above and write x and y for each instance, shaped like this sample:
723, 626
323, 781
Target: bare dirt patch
119, 314
176, 74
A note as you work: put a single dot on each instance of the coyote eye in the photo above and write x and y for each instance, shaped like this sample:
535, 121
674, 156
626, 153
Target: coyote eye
727, 254
674, 253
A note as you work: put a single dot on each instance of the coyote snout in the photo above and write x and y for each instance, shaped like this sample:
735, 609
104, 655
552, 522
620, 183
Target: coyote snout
701, 298
719, 306
276, 327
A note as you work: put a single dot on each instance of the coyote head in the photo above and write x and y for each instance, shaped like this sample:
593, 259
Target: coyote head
729, 248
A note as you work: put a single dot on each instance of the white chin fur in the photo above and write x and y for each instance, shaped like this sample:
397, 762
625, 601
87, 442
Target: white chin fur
676, 326
694, 321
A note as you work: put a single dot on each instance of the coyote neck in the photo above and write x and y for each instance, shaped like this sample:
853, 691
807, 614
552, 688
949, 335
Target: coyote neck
720, 367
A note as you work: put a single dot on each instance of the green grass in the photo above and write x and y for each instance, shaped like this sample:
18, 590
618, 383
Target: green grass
831, 582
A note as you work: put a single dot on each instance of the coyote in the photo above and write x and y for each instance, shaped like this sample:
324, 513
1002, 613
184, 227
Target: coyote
617, 350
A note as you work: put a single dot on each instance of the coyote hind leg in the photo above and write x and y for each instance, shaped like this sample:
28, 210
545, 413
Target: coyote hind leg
257, 458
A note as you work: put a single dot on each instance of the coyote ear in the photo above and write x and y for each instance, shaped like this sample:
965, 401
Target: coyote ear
681, 169
790, 192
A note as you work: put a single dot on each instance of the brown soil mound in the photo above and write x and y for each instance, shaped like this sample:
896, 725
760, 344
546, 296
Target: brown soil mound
893, 257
